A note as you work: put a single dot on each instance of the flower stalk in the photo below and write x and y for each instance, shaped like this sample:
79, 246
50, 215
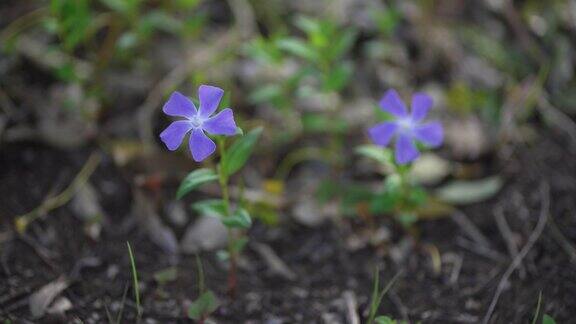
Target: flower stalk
232, 253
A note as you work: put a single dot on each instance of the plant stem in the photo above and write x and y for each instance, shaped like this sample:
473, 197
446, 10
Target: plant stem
200, 275
223, 177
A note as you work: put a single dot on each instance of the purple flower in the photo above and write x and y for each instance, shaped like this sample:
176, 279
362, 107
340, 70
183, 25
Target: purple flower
407, 128
197, 121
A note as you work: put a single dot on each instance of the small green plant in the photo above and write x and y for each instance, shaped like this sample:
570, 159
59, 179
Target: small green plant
279, 91
376, 300
323, 51
386, 19
546, 319
119, 316
206, 303
321, 55
400, 196
232, 158
135, 282
387, 320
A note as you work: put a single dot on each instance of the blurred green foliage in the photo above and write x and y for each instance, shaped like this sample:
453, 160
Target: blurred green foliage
304, 62
322, 53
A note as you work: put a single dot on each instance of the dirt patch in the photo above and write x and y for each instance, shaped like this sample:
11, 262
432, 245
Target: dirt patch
328, 275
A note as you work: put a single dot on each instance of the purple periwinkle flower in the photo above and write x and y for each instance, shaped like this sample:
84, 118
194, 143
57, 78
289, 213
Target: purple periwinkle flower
197, 121
407, 128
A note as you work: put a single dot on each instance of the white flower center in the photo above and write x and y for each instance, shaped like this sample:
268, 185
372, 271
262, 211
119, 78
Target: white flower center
406, 124
196, 121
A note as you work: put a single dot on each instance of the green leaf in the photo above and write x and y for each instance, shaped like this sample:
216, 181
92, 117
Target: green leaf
166, 275
384, 320
547, 319
469, 192
195, 179
240, 151
158, 20
125, 7
327, 190
210, 207
127, 40
381, 155
387, 19
66, 72
186, 4
193, 25
240, 219
352, 196
73, 18
407, 219
384, 203
265, 50
342, 45
239, 244
337, 78
203, 306
308, 25
320, 123
298, 48
120, 6
390, 198
417, 196
266, 93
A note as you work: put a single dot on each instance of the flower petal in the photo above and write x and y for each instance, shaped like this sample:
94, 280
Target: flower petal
406, 151
382, 133
431, 134
209, 99
221, 124
201, 145
179, 105
392, 103
173, 135
421, 104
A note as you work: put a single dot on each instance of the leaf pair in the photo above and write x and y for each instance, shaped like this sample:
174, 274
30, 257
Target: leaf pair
237, 156
217, 208
203, 306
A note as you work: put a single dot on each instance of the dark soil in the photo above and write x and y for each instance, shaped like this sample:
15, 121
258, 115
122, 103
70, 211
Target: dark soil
326, 269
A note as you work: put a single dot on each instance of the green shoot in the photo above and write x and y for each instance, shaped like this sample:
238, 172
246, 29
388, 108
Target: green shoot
120, 312
546, 319
206, 303
135, 279
200, 275
377, 295
538, 305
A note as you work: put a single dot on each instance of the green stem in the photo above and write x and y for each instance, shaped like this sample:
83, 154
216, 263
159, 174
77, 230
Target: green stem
405, 183
135, 278
223, 179
200, 275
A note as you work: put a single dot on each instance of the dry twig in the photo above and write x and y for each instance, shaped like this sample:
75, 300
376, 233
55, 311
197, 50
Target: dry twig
508, 236
562, 240
545, 195
470, 228
51, 203
351, 307
273, 261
